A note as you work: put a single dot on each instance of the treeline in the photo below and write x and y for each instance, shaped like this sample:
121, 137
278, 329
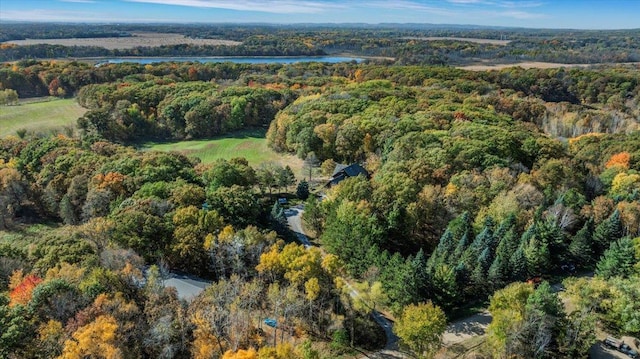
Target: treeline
403, 43
22, 31
255, 48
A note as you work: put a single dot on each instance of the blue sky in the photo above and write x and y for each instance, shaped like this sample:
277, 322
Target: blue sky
580, 14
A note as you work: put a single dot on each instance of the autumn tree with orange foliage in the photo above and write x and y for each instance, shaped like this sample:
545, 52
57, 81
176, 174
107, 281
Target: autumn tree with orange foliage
113, 181
621, 159
21, 293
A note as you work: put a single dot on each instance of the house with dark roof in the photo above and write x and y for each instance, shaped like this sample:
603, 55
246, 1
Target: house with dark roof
342, 172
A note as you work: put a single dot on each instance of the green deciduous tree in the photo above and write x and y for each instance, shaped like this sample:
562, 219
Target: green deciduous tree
353, 234
420, 327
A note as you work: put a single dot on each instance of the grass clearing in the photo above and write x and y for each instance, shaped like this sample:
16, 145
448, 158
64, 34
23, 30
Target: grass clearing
250, 144
44, 117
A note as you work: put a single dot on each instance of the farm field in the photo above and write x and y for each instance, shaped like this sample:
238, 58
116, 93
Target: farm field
465, 39
527, 65
250, 144
40, 117
151, 39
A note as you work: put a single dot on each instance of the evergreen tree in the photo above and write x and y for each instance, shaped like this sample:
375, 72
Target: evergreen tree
506, 247
461, 248
497, 274
608, 231
278, 217
518, 265
444, 286
483, 241
462, 225
508, 224
302, 191
313, 215
537, 255
419, 265
552, 236
443, 252
581, 247
396, 280
618, 260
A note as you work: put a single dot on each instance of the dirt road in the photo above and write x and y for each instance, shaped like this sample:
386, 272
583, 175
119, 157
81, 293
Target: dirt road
466, 328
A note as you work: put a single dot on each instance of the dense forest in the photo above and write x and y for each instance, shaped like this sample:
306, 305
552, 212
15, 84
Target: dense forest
479, 181
406, 44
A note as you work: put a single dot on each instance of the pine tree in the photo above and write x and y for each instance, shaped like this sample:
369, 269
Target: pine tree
302, 191
462, 225
607, 232
461, 247
518, 265
419, 265
443, 252
551, 235
581, 247
618, 260
508, 224
445, 286
278, 217
537, 255
497, 274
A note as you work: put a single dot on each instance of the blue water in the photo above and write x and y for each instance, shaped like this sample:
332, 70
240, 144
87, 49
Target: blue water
241, 60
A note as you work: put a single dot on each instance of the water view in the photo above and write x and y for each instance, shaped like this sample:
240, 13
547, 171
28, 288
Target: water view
242, 60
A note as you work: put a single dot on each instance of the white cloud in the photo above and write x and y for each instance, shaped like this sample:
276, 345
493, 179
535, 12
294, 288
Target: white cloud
499, 3
521, 15
520, 4
269, 6
410, 5
466, 1
70, 16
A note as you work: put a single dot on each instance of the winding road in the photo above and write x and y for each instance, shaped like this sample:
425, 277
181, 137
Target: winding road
390, 351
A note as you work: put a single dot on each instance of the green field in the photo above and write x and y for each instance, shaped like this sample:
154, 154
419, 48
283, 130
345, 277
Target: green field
251, 145
44, 117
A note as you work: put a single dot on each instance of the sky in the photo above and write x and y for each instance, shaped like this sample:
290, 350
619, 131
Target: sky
575, 14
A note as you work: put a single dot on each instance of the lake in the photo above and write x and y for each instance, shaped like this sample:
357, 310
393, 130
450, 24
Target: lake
241, 60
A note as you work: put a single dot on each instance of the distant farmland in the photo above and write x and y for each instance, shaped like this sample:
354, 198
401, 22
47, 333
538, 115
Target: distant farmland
465, 39
139, 39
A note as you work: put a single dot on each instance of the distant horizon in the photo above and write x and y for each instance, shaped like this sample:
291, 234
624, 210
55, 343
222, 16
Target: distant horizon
316, 24
516, 14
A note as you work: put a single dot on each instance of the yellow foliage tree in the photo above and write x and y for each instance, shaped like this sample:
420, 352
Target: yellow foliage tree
421, 327
241, 354
508, 309
50, 338
204, 345
623, 184
94, 340
280, 351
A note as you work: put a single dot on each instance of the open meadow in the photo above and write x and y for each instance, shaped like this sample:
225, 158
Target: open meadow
250, 144
43, 117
